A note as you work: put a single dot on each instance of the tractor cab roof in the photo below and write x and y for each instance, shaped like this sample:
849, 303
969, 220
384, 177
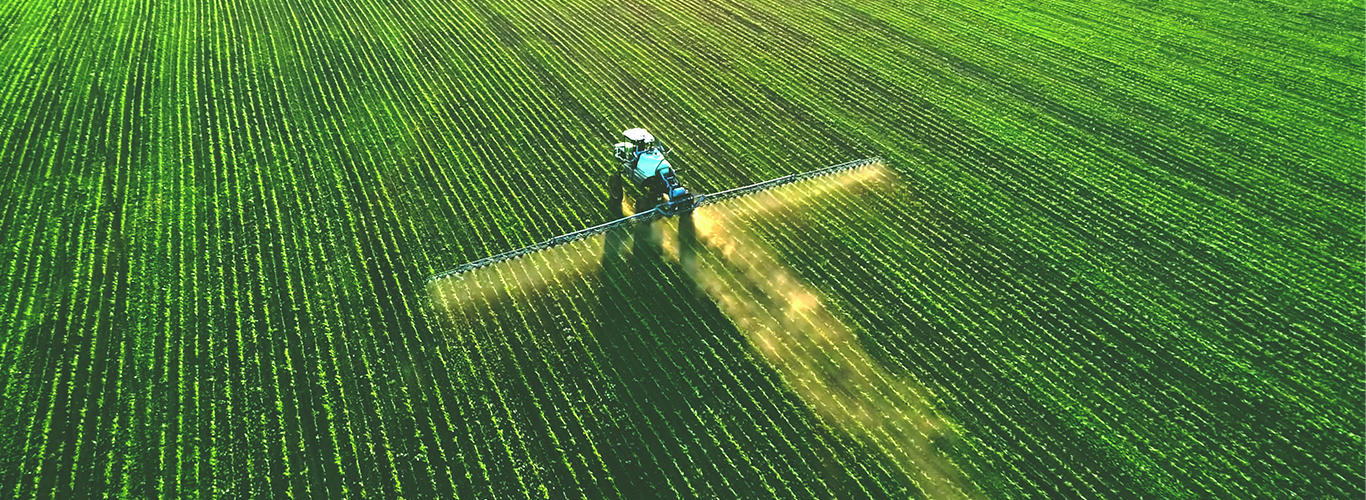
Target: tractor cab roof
638, 135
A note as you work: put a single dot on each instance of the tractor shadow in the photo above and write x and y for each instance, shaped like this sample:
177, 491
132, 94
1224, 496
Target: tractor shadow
712, 263
650, 338
634, 301
676, 363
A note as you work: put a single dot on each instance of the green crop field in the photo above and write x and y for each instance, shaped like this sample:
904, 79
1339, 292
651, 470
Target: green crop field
1113, 249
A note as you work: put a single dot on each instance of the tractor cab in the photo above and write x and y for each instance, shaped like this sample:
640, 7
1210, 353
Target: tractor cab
638, 141
640, 137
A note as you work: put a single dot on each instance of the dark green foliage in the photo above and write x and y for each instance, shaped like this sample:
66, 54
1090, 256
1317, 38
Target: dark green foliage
1127, 258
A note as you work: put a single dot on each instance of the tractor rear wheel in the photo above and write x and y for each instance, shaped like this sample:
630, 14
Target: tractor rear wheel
614, 186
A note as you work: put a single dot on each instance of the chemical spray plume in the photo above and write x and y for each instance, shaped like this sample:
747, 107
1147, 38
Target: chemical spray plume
787, 322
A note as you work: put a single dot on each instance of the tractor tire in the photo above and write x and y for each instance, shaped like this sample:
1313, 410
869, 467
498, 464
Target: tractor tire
614, 187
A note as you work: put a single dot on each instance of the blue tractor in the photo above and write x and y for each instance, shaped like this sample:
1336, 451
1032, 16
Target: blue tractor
643, 161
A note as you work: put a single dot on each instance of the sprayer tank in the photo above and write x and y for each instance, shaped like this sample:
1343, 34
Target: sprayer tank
648, 165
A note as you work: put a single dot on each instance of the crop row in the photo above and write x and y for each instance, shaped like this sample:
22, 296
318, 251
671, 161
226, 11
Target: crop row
1202, 411
218, 215
624, 392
